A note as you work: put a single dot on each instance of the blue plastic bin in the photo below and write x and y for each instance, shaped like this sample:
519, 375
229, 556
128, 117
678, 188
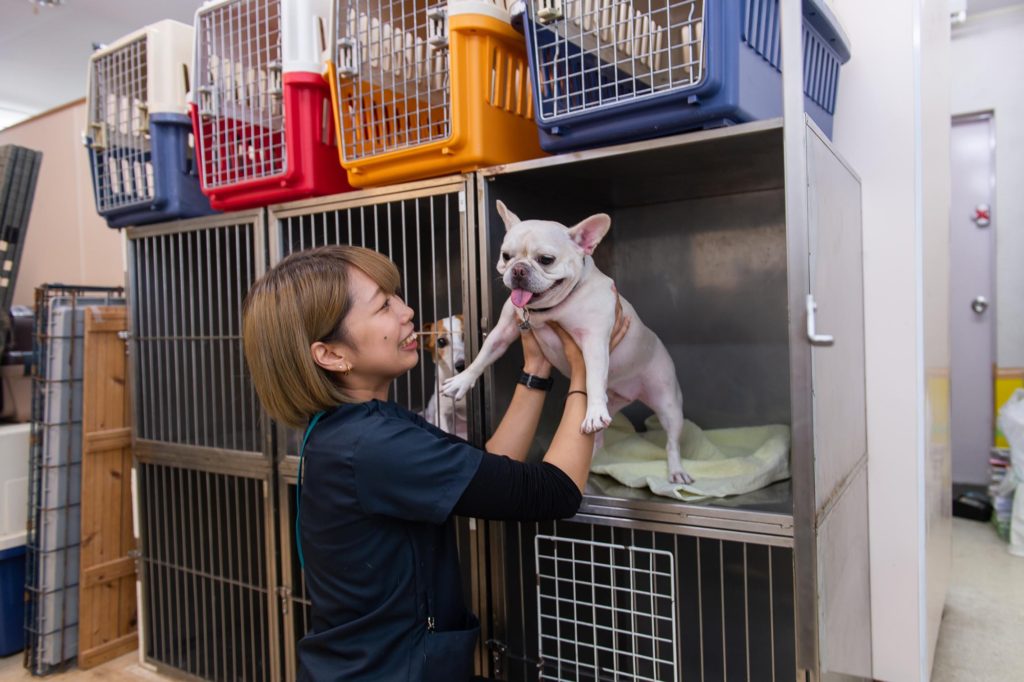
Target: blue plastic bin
613, 71
137, 186
12, 600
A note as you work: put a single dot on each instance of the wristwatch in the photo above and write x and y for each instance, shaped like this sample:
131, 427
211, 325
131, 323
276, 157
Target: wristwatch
534, 381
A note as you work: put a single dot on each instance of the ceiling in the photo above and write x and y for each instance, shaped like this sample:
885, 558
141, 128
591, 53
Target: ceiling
44, 50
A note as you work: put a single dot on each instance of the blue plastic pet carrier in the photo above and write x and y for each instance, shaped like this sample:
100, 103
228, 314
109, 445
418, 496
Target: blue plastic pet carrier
139, 133
612, 71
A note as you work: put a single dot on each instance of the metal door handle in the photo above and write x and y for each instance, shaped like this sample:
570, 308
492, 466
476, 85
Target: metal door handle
812, 333
979, 304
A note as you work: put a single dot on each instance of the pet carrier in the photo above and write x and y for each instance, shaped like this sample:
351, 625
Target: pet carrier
260, 103
612, 71
139, 132
424, 88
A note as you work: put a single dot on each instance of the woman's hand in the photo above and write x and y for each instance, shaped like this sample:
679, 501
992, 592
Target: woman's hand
534, 361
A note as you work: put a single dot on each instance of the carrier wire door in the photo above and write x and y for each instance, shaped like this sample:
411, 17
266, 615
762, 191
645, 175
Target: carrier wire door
204, 474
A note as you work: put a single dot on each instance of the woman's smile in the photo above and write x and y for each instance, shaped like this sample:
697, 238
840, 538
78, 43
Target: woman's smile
410, 343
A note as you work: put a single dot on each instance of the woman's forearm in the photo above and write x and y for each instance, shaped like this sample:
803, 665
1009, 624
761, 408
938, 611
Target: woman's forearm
571, 450
515, 433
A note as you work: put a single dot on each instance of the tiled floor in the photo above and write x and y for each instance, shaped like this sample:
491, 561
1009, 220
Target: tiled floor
982, 634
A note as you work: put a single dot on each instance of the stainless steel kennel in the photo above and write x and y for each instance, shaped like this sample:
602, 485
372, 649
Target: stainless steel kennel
204, 479
768, 585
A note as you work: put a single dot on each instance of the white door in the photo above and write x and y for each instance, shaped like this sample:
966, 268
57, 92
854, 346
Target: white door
972, 295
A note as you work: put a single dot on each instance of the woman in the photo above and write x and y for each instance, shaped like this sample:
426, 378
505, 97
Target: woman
325, 335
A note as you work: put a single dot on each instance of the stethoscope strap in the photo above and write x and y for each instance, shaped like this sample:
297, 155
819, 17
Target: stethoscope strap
298, 490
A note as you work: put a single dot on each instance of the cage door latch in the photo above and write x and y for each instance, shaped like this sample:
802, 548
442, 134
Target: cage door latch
812, 333
437, 27
348, 59
549, 11
98, 137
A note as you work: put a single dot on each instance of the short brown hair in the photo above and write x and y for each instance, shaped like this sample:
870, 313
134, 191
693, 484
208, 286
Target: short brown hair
303, 299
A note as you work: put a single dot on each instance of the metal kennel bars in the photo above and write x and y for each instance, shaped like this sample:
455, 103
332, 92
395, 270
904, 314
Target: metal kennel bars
427, 229
204, 478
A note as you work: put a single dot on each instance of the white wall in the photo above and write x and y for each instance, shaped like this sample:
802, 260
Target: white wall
892, 125
987, 73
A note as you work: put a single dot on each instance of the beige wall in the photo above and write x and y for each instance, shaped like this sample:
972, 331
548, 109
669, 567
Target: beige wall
66, 242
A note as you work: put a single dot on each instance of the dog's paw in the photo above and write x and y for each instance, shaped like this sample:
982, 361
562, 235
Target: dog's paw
680, 477
457, 386
596, 420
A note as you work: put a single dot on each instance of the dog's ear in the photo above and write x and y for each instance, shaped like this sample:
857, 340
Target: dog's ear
588, 233
429, 340
508, 217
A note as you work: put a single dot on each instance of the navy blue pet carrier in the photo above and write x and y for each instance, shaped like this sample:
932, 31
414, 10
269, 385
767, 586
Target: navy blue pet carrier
139, 134
612, 71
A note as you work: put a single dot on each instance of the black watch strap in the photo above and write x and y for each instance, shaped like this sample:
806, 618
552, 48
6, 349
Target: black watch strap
534, 381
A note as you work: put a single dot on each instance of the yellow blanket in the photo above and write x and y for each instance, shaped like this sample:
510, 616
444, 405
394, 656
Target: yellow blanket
722, 462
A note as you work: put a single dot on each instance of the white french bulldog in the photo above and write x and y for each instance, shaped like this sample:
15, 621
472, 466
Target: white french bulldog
552, 277
445, 342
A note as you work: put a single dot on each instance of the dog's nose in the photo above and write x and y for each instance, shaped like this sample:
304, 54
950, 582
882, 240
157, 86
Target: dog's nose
518, 272
460, 366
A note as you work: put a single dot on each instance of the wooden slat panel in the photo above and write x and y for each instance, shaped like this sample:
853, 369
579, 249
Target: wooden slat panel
107, 604
112, 439
108, 572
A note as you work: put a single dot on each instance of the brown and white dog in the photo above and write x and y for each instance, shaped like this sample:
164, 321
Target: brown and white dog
446, 343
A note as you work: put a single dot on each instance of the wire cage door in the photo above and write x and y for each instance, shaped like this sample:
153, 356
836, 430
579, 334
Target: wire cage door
583, 600
597, 53
119, 128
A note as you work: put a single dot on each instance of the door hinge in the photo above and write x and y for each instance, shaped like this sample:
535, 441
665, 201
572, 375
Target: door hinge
285, 595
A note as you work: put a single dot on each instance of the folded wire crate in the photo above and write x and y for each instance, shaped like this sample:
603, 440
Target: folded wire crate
612, 71
261, 108
425, 88
55, 474
139, 134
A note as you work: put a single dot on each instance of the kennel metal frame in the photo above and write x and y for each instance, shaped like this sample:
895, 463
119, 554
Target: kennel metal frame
823, 515
334, 220
186, 282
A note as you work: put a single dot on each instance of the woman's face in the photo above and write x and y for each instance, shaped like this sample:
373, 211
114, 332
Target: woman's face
379, 342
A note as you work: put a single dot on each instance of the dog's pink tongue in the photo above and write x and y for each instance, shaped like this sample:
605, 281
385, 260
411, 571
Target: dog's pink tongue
520, 297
